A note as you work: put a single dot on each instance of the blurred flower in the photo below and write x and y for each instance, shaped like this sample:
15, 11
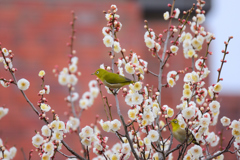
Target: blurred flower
177, 12
106, 126
117, 47
41, 73
116, 124
217, 87
150, 43
3, 112
46, 131
174, 49
225, 121
200, 18
188, 113
214, 106
166, 15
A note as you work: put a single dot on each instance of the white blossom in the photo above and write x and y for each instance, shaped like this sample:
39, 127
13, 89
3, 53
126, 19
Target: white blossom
177, 13
217, 87
117, 47
23, 84
225, 121
46, 131
108, 41
3, 112
45, 107
125, 148
37, 140
12, 152
200, 18
153, 135
57, 135
196, 151
235, 124
75, 122
86, 132
63, 79
5, 52
106, 126
116, 124
129, 68
174, 49
137, 98
214, 106
166, 15
150, 43
188, 112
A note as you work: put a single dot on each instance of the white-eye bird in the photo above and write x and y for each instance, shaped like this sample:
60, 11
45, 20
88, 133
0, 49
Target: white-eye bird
112, 80
180, 134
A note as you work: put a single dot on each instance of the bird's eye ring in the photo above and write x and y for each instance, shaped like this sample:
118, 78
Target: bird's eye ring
175, 121
97, 72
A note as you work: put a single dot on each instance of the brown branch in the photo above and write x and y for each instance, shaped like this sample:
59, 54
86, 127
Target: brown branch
125, 129
225, 53
66, 155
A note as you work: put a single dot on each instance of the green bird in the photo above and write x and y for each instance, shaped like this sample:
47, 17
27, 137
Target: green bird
112, 80
180, 134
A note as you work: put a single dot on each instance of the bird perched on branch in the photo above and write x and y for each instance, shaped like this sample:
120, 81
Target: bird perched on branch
112, 80
180, 134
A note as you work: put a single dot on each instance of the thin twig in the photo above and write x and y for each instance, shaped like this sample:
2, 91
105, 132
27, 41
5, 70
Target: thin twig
171, 136
24, 155
152, 73
112, 52
72, 151
225, 53
66, 155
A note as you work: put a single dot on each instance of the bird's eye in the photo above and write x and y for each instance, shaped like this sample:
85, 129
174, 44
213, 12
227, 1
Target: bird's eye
97, 72
175, 121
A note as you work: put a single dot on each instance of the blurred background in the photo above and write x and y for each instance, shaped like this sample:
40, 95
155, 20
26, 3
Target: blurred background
37, 33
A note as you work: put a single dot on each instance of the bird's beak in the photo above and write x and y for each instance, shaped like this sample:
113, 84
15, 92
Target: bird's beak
92, 73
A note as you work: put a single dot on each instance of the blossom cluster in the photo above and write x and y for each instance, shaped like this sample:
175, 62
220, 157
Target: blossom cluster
53, 135
6, 59
55, 131
68, 76
89, 96
133, 64
5, 153
235, 127
113, 26
109, 126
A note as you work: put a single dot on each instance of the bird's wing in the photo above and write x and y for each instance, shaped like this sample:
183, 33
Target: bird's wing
180, 135
116, 79
192, 138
